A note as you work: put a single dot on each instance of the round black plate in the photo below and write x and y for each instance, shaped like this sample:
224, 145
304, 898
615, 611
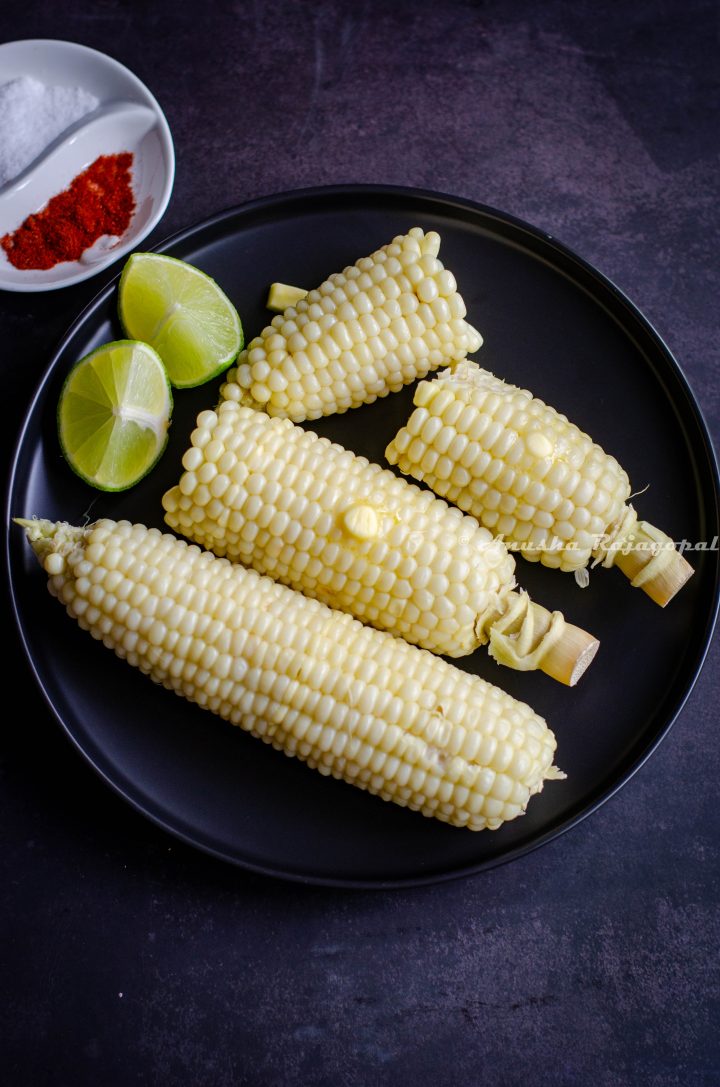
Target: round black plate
551, 323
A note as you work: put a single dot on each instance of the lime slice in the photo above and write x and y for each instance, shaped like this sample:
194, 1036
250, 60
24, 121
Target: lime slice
114, 414
183, 314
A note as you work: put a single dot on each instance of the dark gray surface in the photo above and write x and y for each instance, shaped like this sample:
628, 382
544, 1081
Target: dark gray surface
594, 960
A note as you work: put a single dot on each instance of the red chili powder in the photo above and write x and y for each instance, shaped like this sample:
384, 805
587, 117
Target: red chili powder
99, 201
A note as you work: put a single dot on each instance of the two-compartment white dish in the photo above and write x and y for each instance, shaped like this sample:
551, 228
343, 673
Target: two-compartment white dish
128, 118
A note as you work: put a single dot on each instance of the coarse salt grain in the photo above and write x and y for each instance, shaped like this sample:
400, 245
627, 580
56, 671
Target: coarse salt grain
32, 115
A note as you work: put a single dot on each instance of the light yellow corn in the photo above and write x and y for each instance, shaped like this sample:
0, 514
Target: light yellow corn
315, 516
531, 477
348, 700
365, 332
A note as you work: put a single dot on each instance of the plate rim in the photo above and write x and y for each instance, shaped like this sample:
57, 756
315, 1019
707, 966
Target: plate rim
168, 149
710, 463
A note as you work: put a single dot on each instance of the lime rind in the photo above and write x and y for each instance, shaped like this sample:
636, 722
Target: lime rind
181, 312
114, 414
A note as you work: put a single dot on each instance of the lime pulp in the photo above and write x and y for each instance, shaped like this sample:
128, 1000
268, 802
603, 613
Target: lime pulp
183, 314
114, 413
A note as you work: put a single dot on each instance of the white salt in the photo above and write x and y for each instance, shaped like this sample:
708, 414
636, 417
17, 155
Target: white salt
32, 115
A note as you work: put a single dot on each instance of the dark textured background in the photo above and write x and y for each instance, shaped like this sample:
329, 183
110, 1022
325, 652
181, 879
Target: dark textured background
132, 959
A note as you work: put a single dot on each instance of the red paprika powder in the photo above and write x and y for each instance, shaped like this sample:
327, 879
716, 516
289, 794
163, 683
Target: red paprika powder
99, 201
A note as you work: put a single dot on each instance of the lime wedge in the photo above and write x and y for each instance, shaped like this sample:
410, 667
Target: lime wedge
114, 413
183, 314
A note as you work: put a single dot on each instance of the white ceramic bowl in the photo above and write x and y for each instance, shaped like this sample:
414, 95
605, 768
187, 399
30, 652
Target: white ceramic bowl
128, 118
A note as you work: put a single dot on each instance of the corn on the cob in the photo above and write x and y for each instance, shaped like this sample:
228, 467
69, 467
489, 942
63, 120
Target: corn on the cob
532, 477
350, 701
365, 332
311, 514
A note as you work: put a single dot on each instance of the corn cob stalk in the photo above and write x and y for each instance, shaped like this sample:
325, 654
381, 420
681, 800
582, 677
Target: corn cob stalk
311, 514
533, 478
348, 700
365, 332
282, 295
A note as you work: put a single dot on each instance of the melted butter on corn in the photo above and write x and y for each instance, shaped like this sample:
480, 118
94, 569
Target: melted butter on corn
361, 521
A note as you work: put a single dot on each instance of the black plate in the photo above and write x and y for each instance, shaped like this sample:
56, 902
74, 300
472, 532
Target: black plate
551, 323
